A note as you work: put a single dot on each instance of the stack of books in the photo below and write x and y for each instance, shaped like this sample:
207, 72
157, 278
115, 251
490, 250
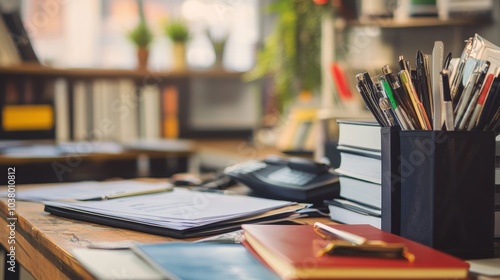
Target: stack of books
360, 174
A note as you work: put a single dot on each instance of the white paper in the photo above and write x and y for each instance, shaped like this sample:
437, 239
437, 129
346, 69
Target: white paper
179, 209
87, 190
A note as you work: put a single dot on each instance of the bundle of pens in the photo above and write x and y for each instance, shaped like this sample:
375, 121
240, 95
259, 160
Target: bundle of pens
441, 92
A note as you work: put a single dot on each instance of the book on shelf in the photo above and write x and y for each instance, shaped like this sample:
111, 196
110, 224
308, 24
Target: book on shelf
184, 260
170, 121
351, 212
363, 134
149, 112
62, 115
361, 191
27, 109
292, 252
361, 164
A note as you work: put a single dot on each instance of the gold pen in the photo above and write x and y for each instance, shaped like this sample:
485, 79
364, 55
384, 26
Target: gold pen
123, 194
417, 105
141, 192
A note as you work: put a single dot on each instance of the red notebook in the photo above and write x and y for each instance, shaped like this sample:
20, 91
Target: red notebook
291, 251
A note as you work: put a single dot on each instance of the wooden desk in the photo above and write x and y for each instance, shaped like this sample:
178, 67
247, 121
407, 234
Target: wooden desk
44, 242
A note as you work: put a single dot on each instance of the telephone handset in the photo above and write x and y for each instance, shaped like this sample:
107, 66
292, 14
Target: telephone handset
295, 179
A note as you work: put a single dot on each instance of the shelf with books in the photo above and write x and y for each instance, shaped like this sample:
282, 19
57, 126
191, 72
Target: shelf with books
82, 73
115, 104
415, 22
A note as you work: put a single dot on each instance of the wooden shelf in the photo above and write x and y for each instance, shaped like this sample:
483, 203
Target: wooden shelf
38, 70
420, 22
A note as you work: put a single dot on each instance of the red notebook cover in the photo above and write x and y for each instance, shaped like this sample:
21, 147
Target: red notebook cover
291, 251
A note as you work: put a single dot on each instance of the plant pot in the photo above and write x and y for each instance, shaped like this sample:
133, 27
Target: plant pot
179, 56
142, 58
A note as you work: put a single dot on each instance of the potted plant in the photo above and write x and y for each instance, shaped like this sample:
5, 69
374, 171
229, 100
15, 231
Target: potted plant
291, 54
178, 32
142, 37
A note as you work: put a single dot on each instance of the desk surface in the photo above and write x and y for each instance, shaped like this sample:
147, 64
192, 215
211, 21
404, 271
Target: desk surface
44, 242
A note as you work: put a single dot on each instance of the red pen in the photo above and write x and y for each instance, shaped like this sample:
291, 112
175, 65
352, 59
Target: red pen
480, 102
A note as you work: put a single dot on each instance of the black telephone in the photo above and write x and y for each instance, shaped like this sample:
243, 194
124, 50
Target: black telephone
295, 179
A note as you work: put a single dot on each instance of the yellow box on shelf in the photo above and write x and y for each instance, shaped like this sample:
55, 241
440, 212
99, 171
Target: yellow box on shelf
27, 117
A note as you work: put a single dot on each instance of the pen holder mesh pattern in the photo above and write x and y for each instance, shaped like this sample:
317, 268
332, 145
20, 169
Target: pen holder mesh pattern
391, 185
447, 190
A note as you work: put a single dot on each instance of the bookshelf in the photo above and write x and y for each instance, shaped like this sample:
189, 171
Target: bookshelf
139, 104
418, 22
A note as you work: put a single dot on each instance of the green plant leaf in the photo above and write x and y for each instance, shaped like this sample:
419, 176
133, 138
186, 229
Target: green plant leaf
177, 31
141, 35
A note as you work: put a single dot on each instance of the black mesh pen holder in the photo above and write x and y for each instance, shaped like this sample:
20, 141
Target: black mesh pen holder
447, 190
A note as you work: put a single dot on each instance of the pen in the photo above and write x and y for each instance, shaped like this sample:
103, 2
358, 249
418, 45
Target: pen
209, 190
127, 194
400, 96
469, 98
401, 116
367, 98
470, 75
447, 61
480, 102
353, 238
448, 106
423, 85
386, 109
417, 105
490, 104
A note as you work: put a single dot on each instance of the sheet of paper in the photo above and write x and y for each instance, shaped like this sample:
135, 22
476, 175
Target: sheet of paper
116, 264
490, 267
87, 190
179, 209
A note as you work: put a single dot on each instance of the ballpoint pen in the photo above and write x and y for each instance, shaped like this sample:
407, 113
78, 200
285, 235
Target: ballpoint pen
367, 95
386, 109
490, 105
447, 61
417, 105
347, 236
469, 77
480, 101
471, 93
367, 101
401, 116
400, 97
130, 193
403, 64
473, 101
423, 84
448, 106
